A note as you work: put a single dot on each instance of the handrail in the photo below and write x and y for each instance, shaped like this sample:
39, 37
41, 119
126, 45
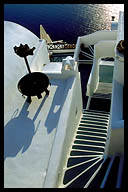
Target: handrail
56, 46
91, 49
87, 55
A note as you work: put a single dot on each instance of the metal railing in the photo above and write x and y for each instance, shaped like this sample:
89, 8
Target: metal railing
58, 46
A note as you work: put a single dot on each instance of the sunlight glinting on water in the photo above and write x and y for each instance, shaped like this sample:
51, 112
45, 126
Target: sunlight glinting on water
63, 21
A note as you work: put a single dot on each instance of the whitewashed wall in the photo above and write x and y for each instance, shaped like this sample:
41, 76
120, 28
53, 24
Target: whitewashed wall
68, 122
14, 66
115, 142
101, 49
93, 38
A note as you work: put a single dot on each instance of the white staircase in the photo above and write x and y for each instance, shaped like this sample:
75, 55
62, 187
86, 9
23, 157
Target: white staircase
87, 167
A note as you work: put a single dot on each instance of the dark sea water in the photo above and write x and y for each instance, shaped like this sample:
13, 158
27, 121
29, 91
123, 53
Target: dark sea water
63, 21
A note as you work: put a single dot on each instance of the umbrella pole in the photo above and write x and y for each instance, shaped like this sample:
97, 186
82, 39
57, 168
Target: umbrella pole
26, 61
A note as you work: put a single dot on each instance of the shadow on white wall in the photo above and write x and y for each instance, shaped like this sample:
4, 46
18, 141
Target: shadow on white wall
57, 105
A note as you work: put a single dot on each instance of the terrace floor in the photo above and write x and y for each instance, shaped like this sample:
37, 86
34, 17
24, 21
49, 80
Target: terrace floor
29, 134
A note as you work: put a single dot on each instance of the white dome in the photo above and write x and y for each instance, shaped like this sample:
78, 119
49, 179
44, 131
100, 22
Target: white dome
14, 66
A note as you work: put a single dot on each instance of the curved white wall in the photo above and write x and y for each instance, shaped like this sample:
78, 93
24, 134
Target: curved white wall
14, 66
